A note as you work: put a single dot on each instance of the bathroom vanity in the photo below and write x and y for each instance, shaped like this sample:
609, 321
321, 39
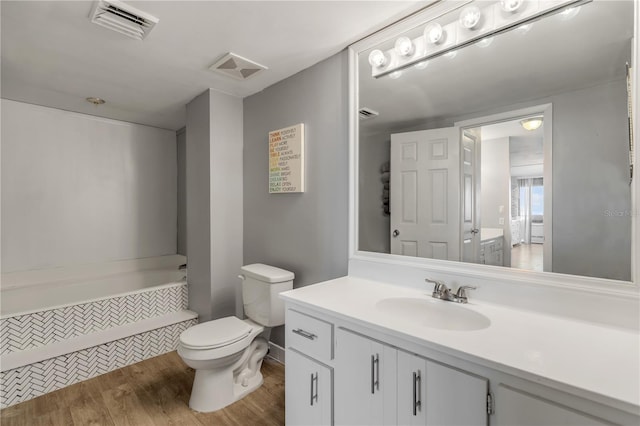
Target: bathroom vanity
559, 347
365, 352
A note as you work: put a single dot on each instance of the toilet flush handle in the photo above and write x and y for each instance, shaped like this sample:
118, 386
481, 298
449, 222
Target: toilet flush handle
242, 277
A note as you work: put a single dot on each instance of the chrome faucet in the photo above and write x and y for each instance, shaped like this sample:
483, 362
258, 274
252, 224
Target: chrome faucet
442, 292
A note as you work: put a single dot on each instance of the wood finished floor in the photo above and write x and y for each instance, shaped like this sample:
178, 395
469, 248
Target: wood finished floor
152, 392
527, 256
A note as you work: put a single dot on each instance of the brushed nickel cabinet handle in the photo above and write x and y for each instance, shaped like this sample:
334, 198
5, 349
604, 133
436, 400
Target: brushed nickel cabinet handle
305, 334
417, 398
314, 395
375, 373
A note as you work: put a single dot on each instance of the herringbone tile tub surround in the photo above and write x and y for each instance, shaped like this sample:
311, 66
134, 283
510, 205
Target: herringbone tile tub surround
30, 381
24, 334
32, 330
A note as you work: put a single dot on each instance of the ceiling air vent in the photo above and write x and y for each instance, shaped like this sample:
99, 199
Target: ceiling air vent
120, 17
237, 67
366, 113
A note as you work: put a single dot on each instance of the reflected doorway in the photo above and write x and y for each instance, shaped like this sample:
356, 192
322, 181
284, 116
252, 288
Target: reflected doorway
515, 191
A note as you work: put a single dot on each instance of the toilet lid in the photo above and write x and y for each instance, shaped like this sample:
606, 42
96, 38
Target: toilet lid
216, 333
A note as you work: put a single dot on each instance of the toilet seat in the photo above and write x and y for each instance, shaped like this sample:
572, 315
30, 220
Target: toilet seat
215, 334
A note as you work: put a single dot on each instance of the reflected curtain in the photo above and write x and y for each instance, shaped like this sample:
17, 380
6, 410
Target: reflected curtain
529, 209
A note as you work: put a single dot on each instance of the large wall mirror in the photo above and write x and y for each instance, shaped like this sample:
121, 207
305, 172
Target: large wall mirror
498, 133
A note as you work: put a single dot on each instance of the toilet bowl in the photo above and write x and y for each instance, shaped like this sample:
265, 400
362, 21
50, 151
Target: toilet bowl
227, 358
227, 353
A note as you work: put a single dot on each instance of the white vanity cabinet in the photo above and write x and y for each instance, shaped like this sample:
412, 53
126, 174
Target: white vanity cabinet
365, 381
491, 251
520, 408
430, 393
378, 384
308, 375
308, 392
349, 364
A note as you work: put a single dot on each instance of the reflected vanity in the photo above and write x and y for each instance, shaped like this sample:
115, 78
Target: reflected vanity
449, 167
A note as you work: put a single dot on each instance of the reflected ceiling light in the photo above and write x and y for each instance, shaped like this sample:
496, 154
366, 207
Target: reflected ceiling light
485, 42
451, 54
404, 46
532, 123
422, 65
434, 33
470, 17
395, 75
511, 5
523, 29
569, 13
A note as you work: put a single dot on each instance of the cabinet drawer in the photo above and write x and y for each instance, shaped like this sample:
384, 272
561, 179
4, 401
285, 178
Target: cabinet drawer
309, 335
499, 244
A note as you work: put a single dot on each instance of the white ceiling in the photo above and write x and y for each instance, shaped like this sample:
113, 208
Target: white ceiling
53, 55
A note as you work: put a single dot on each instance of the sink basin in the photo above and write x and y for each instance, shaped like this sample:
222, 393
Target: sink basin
434, 313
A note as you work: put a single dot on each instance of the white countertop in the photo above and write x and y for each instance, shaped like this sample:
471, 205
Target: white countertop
490, 233
576, 355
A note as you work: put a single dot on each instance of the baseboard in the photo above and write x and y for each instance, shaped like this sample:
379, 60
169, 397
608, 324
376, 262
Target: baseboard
276, 352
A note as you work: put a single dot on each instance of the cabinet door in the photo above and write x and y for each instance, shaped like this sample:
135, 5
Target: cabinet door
514, 407
430, 393
308, 395
365, 381
455, 397
412, 389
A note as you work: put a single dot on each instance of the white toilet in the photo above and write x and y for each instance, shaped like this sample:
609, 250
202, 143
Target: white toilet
227, 353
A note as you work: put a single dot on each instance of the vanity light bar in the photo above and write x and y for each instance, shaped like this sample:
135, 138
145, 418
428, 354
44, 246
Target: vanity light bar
439, 38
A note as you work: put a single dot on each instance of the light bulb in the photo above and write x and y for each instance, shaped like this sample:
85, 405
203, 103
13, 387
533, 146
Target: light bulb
395, 75
377, 58
422, 65
470, 17
404, 46
434, 33
510, 5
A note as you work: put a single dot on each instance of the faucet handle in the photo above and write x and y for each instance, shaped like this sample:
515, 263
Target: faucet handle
440, 290
436, 282
461, 294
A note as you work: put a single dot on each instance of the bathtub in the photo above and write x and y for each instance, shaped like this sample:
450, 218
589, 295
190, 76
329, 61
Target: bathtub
50, 294
65, 325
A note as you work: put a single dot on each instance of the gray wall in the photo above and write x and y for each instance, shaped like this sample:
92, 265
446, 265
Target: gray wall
306, 233
494, 181
214, 203
495, 184
181, 138
79, 189
591, 192
373, 224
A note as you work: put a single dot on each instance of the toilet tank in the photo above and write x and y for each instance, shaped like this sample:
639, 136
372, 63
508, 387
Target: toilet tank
261, 285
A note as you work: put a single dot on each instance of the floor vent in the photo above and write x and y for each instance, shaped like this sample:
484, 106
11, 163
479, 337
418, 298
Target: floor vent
237, 67
366, 113
120, 17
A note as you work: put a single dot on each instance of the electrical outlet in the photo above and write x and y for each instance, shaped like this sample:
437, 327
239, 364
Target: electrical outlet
501, 221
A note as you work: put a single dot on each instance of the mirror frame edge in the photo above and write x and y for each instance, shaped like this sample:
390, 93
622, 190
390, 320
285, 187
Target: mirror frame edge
541, 279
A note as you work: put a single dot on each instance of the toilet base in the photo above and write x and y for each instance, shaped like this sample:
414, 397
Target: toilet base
217, 388
212, 394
